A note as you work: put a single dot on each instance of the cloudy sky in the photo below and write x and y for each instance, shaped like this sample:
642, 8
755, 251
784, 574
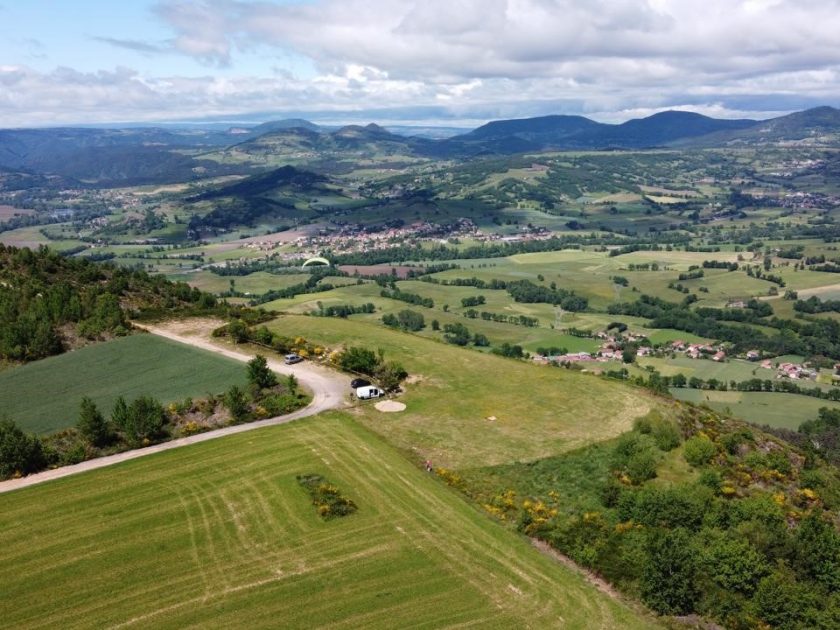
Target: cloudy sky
446, 62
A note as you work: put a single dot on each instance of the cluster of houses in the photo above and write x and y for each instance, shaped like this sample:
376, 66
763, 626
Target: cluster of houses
794, 371
698, 350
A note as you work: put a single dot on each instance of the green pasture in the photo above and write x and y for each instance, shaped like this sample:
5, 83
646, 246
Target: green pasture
44, 396
469, 408
220, 534
776, 409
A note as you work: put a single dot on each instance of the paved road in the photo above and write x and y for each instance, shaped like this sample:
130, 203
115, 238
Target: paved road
329, 391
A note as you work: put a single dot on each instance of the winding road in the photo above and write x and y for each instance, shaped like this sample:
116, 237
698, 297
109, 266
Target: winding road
329, 391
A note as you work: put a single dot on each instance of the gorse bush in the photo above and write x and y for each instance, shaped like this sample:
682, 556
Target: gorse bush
327, 498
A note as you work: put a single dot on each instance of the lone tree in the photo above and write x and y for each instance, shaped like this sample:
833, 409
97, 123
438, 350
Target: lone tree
92, 424
259, 374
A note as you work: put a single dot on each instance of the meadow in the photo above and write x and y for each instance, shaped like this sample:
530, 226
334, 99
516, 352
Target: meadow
468, 408
220, 534
44, 396
776, 409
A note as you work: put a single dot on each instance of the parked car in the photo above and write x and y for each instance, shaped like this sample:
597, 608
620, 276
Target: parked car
291, 359
368, 392
356, 383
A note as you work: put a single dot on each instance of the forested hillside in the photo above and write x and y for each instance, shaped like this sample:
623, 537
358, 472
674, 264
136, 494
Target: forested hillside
49, 303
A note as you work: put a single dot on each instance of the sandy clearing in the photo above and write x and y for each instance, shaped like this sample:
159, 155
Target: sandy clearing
329, 389
390, 406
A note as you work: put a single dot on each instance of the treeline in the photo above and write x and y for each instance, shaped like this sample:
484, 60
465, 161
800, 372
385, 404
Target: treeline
344, 310
407, 320
528, 292
405, 296
42, 292
311, 285
814, 305
478, 283
518, 320
720, 264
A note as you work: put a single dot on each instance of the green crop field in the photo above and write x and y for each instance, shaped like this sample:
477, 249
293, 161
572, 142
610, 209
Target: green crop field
468, 408
44, 396
220, 535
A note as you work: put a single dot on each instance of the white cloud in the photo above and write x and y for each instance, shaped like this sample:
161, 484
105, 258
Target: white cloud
479, 58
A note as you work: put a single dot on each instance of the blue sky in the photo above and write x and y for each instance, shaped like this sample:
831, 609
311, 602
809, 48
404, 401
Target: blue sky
416, 61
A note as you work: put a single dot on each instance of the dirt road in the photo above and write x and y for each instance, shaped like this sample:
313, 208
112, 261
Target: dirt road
329, 391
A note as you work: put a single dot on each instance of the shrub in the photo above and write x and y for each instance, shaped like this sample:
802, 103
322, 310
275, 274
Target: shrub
699, 450
664, 432
236, 404
327, 499
641, 466
735, 565
668, 578
19, 453
279, 404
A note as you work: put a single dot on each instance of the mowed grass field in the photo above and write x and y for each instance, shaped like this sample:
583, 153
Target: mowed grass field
220, 535
44, 396
468, 408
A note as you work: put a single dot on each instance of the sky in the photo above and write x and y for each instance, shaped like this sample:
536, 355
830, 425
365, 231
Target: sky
429, 62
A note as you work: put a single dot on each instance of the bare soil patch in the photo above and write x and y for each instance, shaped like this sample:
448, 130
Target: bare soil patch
9, 212
390, 406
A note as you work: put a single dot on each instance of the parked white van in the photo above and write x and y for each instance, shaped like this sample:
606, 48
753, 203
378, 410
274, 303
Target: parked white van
368, 392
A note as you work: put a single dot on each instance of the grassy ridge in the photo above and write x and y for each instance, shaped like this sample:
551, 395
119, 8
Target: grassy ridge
468, 408
44, 396
220, 534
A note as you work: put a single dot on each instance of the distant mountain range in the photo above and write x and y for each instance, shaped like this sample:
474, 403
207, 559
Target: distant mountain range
137, 155
666, 129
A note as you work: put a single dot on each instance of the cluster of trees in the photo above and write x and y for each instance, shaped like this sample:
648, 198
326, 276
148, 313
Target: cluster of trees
477, 300
720, 264
406, 319
518, 320
358, 360
42, 291
478, 283
814, 305
691, 274
405, 296
459, 335
756, 272
344, 310
528, 292
512, 351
